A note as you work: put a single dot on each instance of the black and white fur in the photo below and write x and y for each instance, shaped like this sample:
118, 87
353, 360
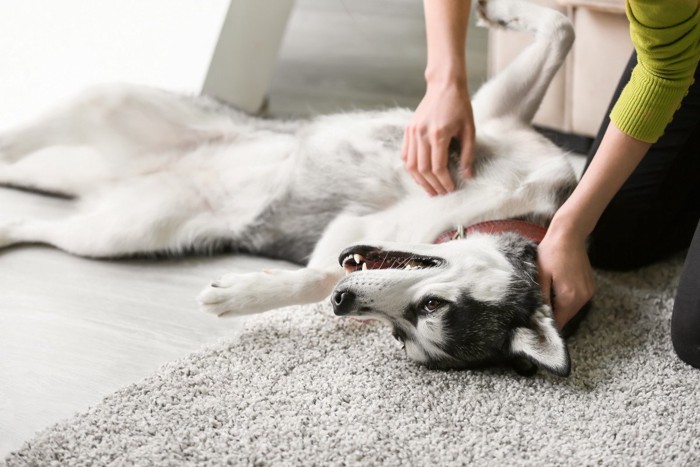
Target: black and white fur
152, 172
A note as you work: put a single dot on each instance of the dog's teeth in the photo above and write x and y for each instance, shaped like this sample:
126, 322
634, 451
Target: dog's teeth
348, 265
413, 265
358, 258
364, 266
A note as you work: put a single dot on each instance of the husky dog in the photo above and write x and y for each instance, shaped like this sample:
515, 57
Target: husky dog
151, 172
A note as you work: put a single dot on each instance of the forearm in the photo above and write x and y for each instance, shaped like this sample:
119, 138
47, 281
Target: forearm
616, 158
666, 40
446, 30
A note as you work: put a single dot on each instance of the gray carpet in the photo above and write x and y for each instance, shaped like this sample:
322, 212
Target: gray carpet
301, 387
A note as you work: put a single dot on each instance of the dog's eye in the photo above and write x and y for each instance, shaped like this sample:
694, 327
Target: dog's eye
432, 304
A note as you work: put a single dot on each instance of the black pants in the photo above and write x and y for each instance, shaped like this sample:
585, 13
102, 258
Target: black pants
656, 214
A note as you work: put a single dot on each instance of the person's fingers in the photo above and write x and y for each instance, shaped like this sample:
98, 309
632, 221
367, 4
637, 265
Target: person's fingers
410, 161
425, 167
404, 145
439, 161
561, 309
466, 158
568, 302
412, 164
560, 320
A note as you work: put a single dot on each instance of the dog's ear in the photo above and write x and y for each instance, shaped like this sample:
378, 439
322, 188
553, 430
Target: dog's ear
541, 343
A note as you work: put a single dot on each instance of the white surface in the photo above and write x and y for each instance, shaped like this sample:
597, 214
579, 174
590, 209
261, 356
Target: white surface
52, 49
244, 57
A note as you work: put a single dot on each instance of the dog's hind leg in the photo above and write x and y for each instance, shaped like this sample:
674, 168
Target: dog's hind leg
145, 217
518, 90
244, 294
63, 171
106, 134
120, 120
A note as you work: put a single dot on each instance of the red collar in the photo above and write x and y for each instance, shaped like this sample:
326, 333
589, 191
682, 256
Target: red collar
526, 229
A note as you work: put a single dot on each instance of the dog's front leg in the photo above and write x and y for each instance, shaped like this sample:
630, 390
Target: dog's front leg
244, 294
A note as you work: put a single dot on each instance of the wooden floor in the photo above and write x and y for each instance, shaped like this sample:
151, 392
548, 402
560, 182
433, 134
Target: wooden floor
73, 330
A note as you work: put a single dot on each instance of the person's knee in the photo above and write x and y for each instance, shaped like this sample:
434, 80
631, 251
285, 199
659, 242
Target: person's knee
685, 324
685, 330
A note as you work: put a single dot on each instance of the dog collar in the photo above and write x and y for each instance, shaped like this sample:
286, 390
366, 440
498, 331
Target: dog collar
526, 229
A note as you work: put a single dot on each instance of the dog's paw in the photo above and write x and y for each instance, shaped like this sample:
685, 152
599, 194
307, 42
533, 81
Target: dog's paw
237, 295
495, 13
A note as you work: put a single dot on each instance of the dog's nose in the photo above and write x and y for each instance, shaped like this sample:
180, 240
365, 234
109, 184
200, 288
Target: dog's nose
343, 301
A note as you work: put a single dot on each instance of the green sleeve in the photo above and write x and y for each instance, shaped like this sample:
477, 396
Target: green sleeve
666, 35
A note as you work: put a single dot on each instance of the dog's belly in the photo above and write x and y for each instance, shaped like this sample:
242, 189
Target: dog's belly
277, 193
291, 223
237, 180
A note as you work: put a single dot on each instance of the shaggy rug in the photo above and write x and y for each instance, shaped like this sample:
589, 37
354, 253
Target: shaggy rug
301, 387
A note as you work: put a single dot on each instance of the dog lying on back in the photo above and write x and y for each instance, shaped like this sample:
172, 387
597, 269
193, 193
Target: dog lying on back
151, 172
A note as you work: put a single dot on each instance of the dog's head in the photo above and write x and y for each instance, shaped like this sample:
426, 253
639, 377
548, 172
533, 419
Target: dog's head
462, 304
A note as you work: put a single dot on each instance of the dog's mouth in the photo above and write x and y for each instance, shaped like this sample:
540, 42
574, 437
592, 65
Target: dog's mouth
363, 258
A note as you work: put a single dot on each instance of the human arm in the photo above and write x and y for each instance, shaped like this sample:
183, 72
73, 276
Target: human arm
445, 111
666, 40
562, 257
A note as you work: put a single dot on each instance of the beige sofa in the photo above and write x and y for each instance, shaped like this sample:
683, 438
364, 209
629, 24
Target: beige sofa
580, 93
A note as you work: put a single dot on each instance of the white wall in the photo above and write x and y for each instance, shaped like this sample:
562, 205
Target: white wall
50, 49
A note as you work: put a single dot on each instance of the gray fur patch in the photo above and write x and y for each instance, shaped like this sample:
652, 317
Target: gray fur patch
291, 225
483, 156
391, 136
356, 156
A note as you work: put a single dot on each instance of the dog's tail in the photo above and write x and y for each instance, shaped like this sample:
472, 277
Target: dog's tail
518, 90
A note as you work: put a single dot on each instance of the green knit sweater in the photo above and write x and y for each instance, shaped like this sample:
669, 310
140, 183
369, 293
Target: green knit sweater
666, 35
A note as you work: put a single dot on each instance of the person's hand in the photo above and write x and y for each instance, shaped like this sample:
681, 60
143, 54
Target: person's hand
565, 273
444, 113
